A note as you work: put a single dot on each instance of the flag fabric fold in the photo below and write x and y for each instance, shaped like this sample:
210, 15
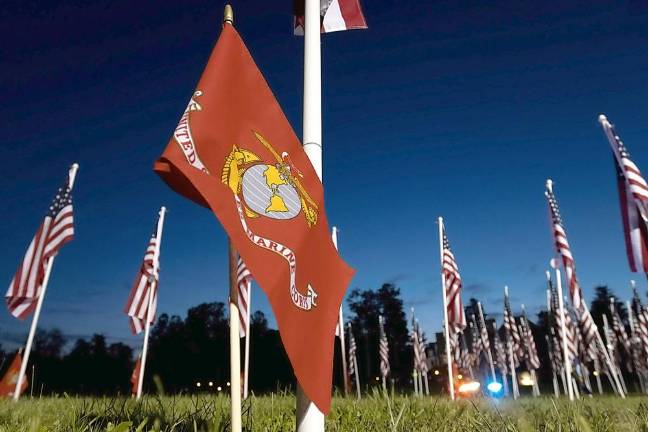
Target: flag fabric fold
234, 152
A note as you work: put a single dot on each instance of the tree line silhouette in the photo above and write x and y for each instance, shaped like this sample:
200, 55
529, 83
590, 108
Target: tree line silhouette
195, 349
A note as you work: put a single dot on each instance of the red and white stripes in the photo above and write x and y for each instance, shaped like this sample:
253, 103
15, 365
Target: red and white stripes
244, 284
633, 196
336, 15
56, 230
456, 316
145, 288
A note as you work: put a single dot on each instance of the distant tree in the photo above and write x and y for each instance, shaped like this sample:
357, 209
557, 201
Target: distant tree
49, 343
400, 351
601, 306
366, 306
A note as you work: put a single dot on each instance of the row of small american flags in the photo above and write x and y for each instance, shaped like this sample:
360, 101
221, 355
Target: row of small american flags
575, 343
577, 346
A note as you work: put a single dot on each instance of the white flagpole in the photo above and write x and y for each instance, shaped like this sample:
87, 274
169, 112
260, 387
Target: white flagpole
308, 417
345, 381
608, 359
248, 336
235, 342
39, 305
234, 337
151, 297
566, 358
608, 343
490, 354
445, 315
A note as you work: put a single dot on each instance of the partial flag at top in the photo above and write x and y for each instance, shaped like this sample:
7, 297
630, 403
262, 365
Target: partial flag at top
633, 196
336, 15
234, 152
56, 230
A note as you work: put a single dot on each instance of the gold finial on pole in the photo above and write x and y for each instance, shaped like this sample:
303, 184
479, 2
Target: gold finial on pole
228, 14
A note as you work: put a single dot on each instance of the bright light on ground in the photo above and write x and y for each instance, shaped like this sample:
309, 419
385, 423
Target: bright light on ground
469, 387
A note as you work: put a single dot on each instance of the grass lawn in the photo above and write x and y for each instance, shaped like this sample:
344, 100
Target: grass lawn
276, 413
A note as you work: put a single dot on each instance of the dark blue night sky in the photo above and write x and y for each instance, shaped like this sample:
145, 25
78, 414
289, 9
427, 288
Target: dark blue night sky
460, 109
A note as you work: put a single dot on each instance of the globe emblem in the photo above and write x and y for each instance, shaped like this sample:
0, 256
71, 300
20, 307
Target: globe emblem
268, 193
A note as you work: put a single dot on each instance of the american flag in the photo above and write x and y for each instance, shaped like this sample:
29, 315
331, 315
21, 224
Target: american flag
641, 327
619, 328
56, 230
352, 352
244, 283
383, 348
483, 331
145, 285
416, 346
562, 247
463, 355
512, 334
639, 337
423, 366
612, 342
529, 342
500, 352
557, 330
475, 341
456, 317
633, 195
555, 350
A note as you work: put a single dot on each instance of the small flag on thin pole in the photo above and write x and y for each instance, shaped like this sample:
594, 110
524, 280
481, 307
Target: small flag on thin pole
142, 300
383, 349
588, 327
455, 320
27, 289
244, 284
353, 361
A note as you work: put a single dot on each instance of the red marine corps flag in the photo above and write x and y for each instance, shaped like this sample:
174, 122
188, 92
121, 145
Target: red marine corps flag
235, 153
10, 378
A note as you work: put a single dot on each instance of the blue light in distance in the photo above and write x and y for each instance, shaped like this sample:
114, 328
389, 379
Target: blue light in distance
494, 387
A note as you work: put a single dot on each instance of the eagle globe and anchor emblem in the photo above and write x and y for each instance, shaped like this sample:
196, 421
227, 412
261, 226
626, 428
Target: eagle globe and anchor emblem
273, 191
